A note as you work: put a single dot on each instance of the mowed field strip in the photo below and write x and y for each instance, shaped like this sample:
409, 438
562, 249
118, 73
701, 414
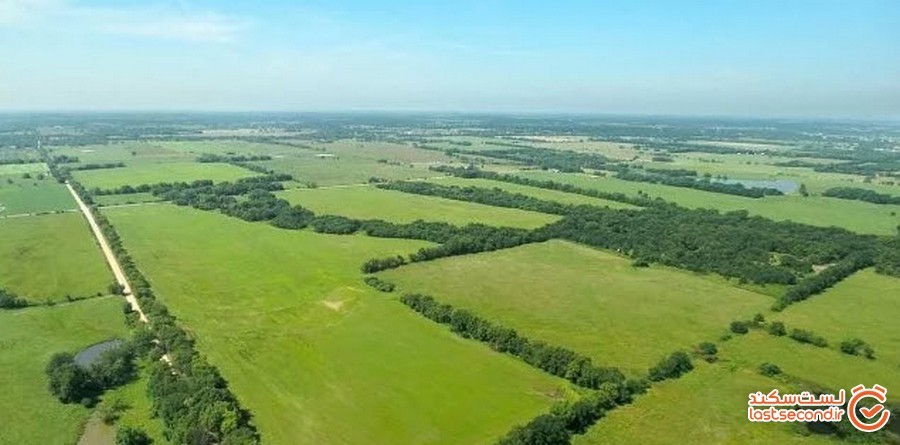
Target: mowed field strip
394, 206
28, 338
540, 193
314, 353
590, 301
861, 217
155, 173
46, 257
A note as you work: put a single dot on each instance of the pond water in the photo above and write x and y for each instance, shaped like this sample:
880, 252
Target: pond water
782, 185
87, 356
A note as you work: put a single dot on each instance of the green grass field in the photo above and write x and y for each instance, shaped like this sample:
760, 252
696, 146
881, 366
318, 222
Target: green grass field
28, 338
369, 202
862, 217
549, 195
308, 169
588, 300
47, 257
866, 305
20, 169
706, 406
132, 153
824, 367
22, 196
311, 350
156, 173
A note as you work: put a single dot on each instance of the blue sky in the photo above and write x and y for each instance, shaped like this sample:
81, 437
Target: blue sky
759, 58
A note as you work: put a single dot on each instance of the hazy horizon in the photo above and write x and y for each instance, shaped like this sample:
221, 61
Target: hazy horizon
765, 59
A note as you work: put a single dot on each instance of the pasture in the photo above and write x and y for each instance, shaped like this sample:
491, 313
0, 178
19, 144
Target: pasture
706, 406
314, 353
866, 305
861, 217
588, 300
155, 173
28, 338
823, 367
21, 169
20, 196
46, 257
536, 192
132, 153
369, 202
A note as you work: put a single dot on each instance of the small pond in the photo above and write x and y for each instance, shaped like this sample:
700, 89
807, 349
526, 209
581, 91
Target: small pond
87, 356
782, 185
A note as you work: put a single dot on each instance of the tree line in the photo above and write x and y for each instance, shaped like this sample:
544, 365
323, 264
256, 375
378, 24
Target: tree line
704, 184
189, 394
607, 386
72, 382
210, 158
859, 194
9, 300
825, 279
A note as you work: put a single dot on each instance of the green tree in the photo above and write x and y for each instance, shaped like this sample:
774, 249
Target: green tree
132, 436
803, 191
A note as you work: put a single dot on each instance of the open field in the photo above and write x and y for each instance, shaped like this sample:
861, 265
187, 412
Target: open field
706, 406
315, 354
588, 300
326, 171
21, 196
21, 169
369, 202
546, 194
862, 217
824, 367
47, 257
866, 305
385, 151
28, 338
156, 173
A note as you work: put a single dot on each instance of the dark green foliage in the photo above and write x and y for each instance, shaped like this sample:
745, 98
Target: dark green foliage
552, 359
708, 350
338, 225
671, 367
126, 435
294, 218
69, 382
379, 284
95, 166
114, 367
545, 158
378, 264
777, 329
758, 319
825, 279
855, 346
739, 327
9, 300
116, 289
545, 429
769, 369
209, 157
804, 336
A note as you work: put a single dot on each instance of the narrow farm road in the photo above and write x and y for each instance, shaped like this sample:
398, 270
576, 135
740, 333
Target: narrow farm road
108, 253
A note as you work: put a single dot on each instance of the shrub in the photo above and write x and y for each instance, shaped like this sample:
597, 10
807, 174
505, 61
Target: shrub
671, 367
777, 329
739, 327
855, 346
769, 369
131, 436
545, 429
804, 336
379, 284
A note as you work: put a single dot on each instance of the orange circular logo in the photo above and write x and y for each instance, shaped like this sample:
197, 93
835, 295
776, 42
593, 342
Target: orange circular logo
865, 422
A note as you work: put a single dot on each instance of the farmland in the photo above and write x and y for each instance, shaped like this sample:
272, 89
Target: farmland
270, 305
571, 295
27, 340
47, 257
378, 282
373, 203
152, 174
858, 216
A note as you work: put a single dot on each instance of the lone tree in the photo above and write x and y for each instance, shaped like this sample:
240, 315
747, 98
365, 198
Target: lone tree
132, 436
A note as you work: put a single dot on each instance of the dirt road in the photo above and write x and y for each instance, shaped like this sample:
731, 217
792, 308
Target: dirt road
108, 253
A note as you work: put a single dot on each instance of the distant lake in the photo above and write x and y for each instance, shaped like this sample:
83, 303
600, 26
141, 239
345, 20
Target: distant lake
782, 185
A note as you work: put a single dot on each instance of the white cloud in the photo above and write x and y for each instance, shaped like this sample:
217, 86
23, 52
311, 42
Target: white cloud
151, 22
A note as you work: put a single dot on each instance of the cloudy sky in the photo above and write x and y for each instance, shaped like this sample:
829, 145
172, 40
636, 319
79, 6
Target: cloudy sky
753, 57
